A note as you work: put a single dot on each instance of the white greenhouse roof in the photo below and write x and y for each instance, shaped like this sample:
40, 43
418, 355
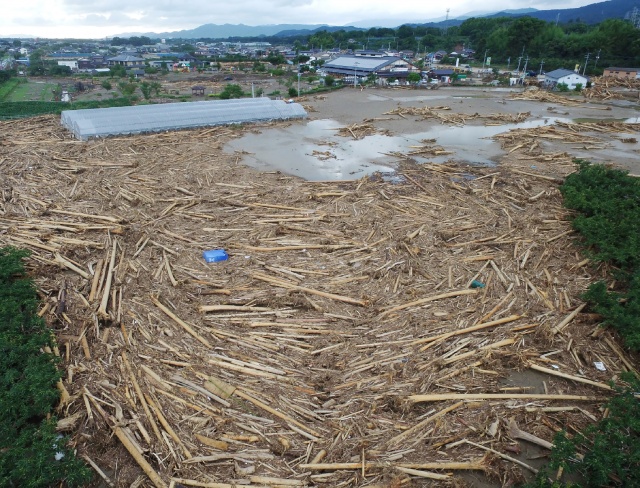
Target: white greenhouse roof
102, 122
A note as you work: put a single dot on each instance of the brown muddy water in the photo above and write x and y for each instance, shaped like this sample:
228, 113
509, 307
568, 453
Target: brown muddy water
313, 151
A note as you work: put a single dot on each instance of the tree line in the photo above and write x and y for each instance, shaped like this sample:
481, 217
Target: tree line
613, 42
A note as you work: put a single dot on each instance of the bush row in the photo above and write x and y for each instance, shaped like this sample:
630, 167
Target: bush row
32, 454
13, 110
606, 202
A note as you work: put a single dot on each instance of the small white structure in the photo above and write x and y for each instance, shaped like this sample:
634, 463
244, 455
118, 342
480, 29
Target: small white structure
73, 65
570, 78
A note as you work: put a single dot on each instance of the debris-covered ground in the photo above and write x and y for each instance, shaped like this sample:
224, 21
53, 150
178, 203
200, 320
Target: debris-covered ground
361, 333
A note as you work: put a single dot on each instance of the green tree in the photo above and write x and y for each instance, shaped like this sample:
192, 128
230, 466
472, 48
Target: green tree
145, 88
231, 91
127, 89
329, 80
413, 77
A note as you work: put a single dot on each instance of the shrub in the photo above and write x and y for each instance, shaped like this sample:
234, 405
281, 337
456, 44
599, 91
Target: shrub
611, 447
106, 84
562, 87
608, 219
578, 87
607, 202
28, 441
329, 80
231, 91
293, 92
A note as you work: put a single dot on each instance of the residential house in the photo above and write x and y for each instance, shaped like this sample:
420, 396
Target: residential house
571, 78
126, 60
626, 73
363, 66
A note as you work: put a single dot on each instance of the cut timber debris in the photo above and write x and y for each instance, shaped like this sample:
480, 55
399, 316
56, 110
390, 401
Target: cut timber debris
289, 363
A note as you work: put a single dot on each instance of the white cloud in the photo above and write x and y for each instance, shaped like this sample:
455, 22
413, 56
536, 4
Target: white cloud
99, 18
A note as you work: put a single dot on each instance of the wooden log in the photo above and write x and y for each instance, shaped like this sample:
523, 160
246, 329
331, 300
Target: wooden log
294, 287
438, 397
503, 456
276, 481
138, 390
69, 265
181, 322
96, 280
97, 469
473, 328
570, 377
473, 465
221, 445
423, 474
409, 433
226, 390
422, 301
516, 433
488, 347
208, 484
167, 426
88, 216
232, 308
102, 311
567, 319
142, 462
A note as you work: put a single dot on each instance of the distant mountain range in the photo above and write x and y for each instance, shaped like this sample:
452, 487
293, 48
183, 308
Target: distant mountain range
224, 31
591, 14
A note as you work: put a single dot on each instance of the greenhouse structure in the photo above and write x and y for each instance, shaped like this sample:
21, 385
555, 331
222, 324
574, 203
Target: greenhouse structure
103, 122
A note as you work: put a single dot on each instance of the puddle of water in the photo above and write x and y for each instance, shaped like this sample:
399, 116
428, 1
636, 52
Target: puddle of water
315, 152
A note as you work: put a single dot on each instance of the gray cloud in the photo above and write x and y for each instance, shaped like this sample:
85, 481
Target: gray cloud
117, 16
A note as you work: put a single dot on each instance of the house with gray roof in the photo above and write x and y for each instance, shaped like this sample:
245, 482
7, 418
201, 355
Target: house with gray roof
126, 60
570, 78
363, 66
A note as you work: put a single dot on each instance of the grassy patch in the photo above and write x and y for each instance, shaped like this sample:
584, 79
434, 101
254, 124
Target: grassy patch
8, 87
12, 110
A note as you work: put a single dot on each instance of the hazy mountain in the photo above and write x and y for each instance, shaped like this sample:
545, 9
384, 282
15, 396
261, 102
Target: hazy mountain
215, 31
590, 14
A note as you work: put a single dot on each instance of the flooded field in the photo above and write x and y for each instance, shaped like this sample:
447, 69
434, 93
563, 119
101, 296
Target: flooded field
313, 150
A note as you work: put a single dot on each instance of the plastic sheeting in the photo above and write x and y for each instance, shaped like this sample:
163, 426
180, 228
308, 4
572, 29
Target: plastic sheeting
104, 122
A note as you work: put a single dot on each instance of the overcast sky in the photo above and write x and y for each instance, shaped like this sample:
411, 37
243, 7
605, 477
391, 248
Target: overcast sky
102, 18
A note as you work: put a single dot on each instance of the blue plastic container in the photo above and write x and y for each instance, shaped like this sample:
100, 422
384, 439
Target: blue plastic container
215, 255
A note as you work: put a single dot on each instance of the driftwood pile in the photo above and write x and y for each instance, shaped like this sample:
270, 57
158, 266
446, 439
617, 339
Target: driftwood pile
360, 333
444, 115
538, 95
359, 131
576, 135
611, 87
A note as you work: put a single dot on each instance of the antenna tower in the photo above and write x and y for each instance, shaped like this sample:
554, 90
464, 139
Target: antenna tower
446, 20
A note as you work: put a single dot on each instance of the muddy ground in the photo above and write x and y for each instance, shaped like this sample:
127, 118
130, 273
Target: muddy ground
311, 356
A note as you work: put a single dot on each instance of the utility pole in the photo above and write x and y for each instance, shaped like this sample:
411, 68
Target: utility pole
520, 59
597, 57
508, 62
541, 65
355, 74
524, 70
584, 70
484, 60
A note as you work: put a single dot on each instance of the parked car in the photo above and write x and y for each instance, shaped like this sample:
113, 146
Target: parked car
228, 78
